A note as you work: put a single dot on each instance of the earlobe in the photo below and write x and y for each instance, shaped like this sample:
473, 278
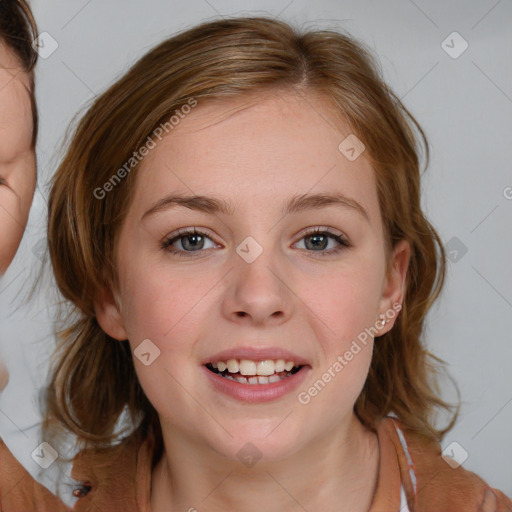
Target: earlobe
394, 286
109, 315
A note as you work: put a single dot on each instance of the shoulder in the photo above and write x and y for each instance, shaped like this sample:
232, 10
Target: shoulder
19, 491
113, 479
117, 477
434, 483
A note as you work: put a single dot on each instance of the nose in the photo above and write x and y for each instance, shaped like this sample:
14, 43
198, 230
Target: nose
257, 293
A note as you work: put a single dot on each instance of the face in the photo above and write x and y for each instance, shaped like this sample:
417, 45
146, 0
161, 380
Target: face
279, 275
17, 158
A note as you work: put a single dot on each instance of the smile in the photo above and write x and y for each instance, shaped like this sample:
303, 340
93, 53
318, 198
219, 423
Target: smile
250, 372
256, 380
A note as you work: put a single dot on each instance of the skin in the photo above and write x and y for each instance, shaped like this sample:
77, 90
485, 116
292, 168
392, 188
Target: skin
17, 161
17, 157
317, 455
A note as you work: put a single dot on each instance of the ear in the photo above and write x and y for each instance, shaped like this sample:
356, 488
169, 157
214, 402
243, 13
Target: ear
109, 315
394, 285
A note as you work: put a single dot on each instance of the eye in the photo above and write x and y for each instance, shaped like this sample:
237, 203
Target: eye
318, 239
193, 241
190, 240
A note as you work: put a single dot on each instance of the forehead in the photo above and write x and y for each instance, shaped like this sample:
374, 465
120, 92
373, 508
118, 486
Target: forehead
15, 106
260, 147
11, 69
9, 59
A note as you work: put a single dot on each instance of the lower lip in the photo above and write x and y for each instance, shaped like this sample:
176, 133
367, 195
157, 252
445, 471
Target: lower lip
257, 393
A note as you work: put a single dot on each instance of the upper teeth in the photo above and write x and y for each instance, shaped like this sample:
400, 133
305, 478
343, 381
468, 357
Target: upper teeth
247, 367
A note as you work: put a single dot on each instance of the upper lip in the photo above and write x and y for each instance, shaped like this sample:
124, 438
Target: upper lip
256, 354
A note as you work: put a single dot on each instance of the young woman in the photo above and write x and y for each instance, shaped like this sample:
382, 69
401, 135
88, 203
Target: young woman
237, 224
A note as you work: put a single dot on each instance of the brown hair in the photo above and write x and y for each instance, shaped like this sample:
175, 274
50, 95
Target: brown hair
18, 30
93, 377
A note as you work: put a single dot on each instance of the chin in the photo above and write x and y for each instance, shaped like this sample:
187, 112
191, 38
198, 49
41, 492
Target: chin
258, 440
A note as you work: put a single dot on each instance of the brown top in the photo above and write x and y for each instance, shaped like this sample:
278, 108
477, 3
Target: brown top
430, 483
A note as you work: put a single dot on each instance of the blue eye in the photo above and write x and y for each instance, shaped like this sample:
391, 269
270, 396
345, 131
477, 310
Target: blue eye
193, 241
319, 239
190, 240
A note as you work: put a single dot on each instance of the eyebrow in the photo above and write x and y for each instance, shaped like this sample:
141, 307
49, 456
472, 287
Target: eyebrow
296, 204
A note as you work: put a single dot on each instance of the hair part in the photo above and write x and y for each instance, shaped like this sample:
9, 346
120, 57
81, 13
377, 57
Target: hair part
93, 378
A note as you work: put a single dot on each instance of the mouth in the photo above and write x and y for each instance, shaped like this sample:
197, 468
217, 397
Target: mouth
250, 372
256, 381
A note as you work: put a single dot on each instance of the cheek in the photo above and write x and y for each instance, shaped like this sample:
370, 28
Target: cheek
347, 304
166, 308
165, 311
347, 300
347, 345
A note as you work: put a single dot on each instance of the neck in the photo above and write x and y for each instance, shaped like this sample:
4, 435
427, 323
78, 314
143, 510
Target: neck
337, 473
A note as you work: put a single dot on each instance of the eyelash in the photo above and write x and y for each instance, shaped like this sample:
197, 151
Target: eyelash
167, 243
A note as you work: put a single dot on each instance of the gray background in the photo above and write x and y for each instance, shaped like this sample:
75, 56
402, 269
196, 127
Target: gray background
465, 107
